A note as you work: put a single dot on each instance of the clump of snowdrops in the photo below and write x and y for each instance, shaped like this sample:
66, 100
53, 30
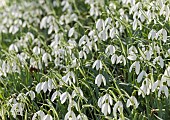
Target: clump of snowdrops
84, 59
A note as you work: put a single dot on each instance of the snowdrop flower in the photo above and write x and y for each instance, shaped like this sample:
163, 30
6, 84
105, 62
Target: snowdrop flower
45, 58
136, 64
44, 86
77, 91
166, 76
167, 12
100, 24
13, 29
156, 84
114, 58
121, 59
148, 54
164, 32
110, 50
83, 40
31, 94
97, 64
132, 101
68, 76
47, 117
103, 35
17, 109
64, 96
40, 114
82, 54
99, 79
113, 32
13, 47
152, 34
70, 115
161, 61
82, 116
145, 88
55, 94
118, 106
71, 32
36, 50
160, 84
50, 83
38, 87
104, 103
132, 57
140, 76
72, 104
163, 88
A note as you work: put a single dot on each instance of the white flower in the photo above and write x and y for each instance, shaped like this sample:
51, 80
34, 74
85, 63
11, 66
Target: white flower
140, 76
17, 109
156, 84
44, 86
68, 76
103, 35
164, 32
40, 114
161, 61
114, 58
152, 34
106, 108
36, 50
97, 64
99, 79
104, 103
113, 32
100, 24
132, 101
132, 57
47, 117
64, 96
31, 94
70, 115
110, 50
136, 64
55, 94
45, 58
163, 88
145, 88
71, 32
50, 84
13, 47
38, 87
118, 106
82, 117
121, 59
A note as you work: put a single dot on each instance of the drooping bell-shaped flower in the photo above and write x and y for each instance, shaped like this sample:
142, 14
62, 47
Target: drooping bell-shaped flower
97, 64
99, 79
132, 101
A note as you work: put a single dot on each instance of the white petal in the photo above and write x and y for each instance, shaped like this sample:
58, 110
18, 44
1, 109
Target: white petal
166, 91
164, 32
140, 76
137, 67
113, 58
128, 104
54, 96
132, 57
155, 85
44, 86
38, 87
104, 108
71, 31
63, 97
